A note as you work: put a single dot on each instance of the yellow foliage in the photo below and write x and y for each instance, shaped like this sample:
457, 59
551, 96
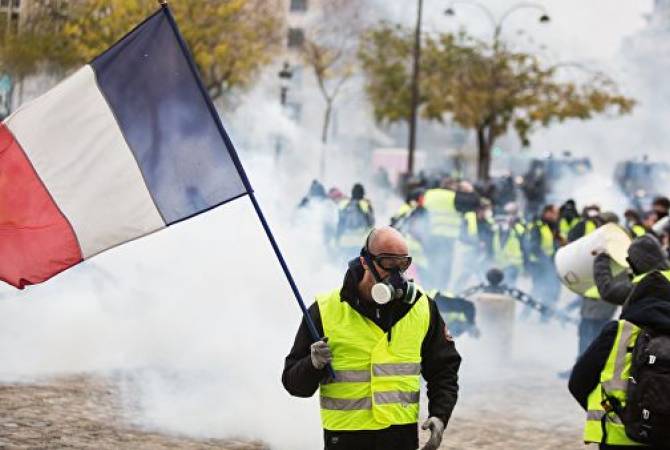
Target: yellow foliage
230, 39
485, 87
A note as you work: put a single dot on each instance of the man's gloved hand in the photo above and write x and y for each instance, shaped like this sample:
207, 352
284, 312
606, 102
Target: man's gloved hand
436, 427
320, 354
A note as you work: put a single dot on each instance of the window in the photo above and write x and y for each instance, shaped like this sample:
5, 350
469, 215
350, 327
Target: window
16, 3
296, 37
298, 5
4, 3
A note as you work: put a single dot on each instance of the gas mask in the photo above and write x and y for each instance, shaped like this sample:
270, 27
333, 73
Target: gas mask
395, 286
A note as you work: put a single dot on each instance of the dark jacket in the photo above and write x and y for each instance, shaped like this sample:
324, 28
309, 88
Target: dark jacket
612, 289
466, 201
439, 360
579, 230
644, 255
647, 307
535, 240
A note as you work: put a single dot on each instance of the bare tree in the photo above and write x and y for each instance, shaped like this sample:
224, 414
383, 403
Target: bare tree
329, 49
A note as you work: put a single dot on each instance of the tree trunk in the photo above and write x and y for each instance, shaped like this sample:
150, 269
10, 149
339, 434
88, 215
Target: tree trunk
326, 121
484, 145
20, 102
324, 137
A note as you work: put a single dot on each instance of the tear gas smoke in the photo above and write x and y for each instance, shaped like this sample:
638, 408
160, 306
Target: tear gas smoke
195, 321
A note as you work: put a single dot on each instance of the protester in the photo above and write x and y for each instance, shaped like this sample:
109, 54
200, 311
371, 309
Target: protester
543, 241
660, 205
601, 380
509, 244
444, 209
458, 313
380, 334
355, 220
645, 255
593, 312
569, 217
634, 224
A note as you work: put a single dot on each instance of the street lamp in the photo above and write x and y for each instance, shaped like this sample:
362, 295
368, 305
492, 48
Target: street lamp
498, 23
285, 76
414, 106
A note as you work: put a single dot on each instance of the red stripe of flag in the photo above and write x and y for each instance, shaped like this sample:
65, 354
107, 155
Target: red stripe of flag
36, 240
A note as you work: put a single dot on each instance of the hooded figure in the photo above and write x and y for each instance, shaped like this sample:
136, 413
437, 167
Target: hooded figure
644, 255
648, 307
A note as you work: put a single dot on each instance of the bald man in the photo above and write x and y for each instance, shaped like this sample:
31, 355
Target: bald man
381, 334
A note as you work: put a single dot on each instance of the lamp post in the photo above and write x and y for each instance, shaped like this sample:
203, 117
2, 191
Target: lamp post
497, 23
416, 60
285, 75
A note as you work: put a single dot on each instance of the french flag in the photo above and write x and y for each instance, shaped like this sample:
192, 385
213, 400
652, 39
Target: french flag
127, 145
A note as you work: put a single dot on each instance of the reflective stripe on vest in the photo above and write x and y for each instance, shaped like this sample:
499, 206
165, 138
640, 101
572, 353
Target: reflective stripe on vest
445, 221
547, 241
377, 382
613, 384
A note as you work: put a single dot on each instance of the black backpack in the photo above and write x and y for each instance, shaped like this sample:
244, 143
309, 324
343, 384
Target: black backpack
646, 415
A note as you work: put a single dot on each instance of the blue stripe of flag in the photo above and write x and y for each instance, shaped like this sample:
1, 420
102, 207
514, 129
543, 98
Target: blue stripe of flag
186, 159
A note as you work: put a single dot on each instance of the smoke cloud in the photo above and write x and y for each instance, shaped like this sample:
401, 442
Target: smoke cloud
194, 321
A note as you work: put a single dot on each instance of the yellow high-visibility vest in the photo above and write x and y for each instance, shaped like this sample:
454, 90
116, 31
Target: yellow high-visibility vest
638, 278
511, 252
613, 384
590, 227
404, 211
547, 240
444, 220
637, 231
565, 225
471, 227
377, 381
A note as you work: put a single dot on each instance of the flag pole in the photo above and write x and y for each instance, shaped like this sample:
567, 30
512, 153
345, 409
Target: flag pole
245, 180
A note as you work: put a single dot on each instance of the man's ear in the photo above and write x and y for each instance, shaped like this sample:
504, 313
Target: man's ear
363, 263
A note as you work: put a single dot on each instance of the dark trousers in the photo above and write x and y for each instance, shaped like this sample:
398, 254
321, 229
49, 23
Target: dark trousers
398, 437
